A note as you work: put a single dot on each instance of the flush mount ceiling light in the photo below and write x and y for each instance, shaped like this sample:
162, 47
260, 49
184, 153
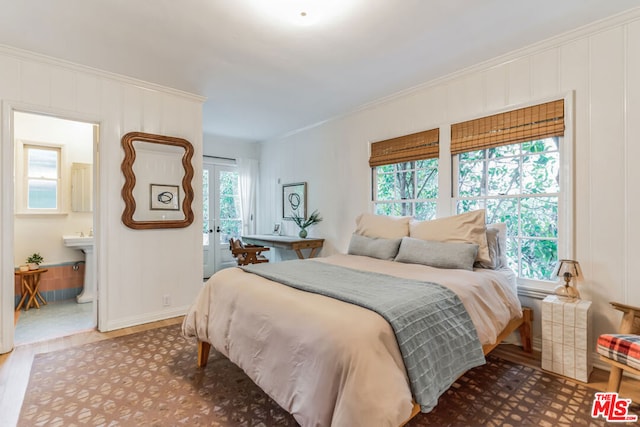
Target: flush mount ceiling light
302, 12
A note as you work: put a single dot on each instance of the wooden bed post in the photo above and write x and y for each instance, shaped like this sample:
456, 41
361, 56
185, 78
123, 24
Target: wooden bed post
525, 329
203, 353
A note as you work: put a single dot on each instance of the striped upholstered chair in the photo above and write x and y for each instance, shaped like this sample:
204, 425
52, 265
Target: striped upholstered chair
622, 350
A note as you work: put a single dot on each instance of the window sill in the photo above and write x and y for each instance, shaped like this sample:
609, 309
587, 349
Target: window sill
40, 214
536, 289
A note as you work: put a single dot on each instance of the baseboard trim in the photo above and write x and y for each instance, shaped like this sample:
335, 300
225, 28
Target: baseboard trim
145, 318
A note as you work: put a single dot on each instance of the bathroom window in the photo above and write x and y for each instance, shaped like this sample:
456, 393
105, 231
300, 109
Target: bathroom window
41, 177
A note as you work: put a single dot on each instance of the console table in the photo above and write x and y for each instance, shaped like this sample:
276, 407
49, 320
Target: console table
286, 242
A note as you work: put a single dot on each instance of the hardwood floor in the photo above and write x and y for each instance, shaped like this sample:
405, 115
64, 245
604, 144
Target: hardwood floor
630, 388
15, 367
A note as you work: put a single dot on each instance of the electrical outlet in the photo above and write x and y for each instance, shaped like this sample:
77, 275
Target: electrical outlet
166, 300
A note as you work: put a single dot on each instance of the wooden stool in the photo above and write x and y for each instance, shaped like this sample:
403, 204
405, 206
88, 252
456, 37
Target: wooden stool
30, 285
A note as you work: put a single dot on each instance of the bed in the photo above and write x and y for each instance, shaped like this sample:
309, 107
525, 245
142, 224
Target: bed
331, 362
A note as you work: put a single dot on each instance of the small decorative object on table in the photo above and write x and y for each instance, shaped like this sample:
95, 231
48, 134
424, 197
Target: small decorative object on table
303, 223
34, 261
571, 272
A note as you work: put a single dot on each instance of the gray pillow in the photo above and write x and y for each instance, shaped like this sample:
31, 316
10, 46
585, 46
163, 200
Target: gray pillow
374, 247
494, 250
437, 254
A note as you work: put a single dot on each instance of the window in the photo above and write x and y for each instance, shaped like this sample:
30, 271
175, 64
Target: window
518, 184
510, 164
42, 176
405, 175
226, 201
230, 216
407, 189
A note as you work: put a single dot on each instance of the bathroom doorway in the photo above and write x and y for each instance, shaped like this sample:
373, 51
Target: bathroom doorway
53, 224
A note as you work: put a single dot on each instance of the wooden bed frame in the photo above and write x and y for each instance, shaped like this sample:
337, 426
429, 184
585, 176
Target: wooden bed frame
523, 324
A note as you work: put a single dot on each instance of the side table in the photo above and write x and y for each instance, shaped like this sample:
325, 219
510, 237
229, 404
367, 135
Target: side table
566, 343
30, 283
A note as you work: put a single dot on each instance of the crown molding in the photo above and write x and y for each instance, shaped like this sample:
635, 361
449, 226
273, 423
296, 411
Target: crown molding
26, 55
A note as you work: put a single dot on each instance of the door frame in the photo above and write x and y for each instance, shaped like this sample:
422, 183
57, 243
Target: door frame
7, 170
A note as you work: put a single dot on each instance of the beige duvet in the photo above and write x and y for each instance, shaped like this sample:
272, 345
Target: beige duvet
327, 362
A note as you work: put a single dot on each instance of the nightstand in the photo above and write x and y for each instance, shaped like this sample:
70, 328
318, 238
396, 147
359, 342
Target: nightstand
566, 343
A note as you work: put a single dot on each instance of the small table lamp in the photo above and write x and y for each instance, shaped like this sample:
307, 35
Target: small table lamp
569, 270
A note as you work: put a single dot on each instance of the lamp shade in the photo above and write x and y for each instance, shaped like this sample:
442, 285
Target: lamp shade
569, 266
570, 271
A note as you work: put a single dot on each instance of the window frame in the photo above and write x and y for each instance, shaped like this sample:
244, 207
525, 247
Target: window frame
566, 225
22, 176
413, 201
483, 198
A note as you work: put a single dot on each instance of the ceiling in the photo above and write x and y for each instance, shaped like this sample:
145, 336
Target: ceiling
264, 74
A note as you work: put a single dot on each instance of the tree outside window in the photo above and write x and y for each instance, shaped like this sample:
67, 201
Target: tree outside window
407, 189
230, 216
518, 184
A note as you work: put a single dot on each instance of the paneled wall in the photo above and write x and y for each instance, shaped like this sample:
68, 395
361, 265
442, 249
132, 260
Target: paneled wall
599, 65
136, 268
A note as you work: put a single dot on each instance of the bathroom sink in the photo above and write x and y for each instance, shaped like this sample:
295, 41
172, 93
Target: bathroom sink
77, 242
84, 244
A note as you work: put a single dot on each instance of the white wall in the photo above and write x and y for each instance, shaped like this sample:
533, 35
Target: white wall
135, 267
600, 64
43, 233
231, 148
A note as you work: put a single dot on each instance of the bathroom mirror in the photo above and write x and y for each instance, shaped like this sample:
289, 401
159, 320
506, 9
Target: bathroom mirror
158, 172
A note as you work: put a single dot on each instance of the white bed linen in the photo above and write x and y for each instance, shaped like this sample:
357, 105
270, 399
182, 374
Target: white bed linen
325, 361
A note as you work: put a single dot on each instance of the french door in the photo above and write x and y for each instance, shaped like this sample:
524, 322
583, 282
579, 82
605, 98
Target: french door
222, 219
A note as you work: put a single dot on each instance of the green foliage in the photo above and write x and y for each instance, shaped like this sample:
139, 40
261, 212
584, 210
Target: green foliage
35, 258
407, 189
230, 221
303, 223
519, 185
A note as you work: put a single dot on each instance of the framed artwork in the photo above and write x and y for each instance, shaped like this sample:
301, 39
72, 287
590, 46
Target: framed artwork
165, 197
276, 229
294, 200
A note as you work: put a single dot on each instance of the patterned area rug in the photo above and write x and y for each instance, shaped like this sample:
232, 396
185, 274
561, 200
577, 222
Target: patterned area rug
151, 379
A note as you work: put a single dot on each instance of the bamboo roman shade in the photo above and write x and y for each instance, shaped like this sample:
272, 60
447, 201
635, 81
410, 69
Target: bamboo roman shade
417, 146
526, 124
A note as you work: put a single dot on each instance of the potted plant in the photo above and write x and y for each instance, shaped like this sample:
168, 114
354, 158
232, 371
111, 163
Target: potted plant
34, 261
314, 218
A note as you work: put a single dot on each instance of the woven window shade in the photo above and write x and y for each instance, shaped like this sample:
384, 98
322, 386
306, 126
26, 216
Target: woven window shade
526, 124
417, 146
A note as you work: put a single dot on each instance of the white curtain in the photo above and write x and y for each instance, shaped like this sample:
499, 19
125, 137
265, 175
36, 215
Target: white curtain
248, 181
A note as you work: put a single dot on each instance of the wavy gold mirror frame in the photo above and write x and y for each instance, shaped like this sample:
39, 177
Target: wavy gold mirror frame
130, 181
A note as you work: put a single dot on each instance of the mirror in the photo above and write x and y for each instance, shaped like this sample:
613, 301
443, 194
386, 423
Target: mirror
157, 191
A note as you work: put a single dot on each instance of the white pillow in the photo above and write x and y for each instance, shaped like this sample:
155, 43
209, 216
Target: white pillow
468, 227
386, 227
